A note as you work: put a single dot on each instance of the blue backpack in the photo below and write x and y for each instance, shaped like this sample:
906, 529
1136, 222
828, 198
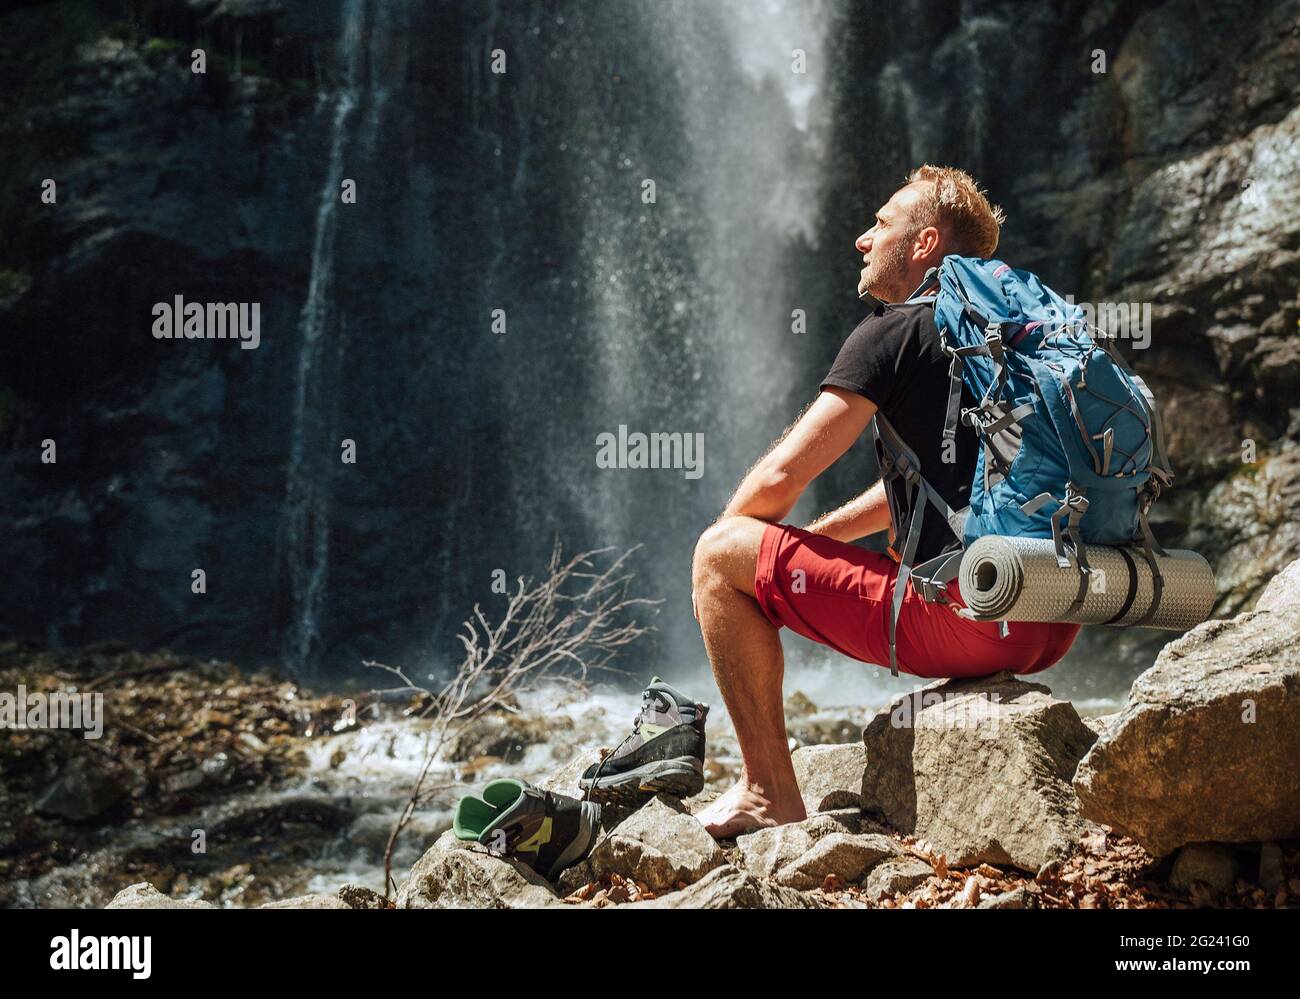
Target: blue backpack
1071, 443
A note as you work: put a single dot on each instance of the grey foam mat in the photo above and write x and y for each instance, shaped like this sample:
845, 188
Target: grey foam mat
1019, 579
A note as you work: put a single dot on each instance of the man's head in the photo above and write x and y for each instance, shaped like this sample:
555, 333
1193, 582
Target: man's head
939, 210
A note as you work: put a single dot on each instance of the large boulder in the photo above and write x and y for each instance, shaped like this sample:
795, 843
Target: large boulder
455, 875
1205, 748
660, 845
145, 896
728, 887
981, 769
830, 777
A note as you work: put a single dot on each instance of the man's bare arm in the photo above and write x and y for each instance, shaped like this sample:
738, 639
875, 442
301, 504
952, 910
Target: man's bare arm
860, 516
824, 431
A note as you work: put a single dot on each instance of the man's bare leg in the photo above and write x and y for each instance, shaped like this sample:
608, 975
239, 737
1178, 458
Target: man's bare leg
745, 653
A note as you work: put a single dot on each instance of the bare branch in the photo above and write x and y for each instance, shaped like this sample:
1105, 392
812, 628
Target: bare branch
576, 619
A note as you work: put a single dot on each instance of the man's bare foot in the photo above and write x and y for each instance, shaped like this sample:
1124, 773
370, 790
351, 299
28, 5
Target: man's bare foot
743, 808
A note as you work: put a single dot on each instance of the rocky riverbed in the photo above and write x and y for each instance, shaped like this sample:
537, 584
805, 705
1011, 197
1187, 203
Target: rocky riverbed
212, 787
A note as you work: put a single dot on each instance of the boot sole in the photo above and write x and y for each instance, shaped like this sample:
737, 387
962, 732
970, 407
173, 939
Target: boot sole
679, 778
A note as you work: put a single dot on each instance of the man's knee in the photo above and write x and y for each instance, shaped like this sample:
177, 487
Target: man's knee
727, 554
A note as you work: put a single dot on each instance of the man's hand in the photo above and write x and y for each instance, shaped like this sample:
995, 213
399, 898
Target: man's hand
818, 438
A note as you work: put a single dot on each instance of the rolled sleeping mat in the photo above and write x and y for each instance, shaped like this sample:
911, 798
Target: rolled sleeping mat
1019, 579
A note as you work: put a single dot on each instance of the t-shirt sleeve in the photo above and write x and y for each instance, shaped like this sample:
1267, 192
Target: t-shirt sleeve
870, 361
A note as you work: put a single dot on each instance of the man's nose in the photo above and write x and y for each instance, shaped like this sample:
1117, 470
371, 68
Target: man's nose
864, 242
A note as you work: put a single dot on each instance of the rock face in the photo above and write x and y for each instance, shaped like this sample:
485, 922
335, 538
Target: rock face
981, 769
452, 875
1205, 748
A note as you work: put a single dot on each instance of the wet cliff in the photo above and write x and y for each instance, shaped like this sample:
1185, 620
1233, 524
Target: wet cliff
506, 287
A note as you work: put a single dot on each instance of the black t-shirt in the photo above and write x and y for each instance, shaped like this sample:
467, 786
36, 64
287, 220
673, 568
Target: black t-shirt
894, 359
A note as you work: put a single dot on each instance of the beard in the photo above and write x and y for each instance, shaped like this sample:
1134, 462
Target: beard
886, 275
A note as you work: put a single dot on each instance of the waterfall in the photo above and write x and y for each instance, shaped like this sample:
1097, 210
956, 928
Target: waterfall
693, 297
305, 528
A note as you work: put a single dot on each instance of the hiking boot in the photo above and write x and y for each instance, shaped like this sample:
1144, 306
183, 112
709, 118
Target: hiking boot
544, 830
664, 753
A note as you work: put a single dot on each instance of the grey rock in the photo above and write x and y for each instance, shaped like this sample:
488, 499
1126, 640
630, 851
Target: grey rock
145, 896
1282, 594
844, 855
894, 876
1017, 898
82, 791
1204, 749
316, 901
660, 845
1211, 863
1100, 723
765, 851
729, 887
981, 769
830, 777
454, 875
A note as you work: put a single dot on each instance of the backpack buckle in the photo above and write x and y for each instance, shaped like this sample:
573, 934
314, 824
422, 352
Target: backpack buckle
931, 592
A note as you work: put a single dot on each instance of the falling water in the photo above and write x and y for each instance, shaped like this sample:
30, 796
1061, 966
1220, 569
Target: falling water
305, 530
693, 323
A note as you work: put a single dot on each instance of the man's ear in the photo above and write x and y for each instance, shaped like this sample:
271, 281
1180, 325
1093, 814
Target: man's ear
927, 243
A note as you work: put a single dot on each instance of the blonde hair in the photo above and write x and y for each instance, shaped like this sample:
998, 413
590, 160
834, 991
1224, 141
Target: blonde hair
956, 205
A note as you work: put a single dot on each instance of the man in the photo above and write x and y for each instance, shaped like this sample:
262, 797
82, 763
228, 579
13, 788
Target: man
752, 575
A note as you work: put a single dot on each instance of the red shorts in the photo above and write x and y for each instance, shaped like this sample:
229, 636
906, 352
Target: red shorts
843, 599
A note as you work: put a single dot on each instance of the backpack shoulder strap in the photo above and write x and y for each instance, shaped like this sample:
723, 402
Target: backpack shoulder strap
897, 460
